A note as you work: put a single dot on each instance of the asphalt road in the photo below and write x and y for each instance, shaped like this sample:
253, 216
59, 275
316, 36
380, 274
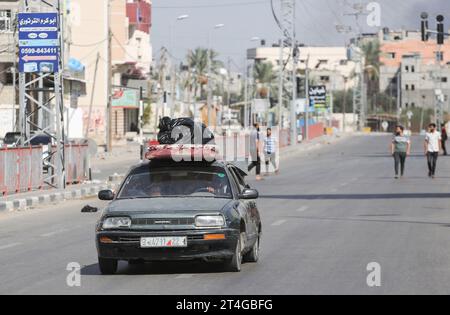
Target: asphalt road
328, 215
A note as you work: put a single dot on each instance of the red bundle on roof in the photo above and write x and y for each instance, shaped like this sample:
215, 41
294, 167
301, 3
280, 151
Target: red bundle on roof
183, 152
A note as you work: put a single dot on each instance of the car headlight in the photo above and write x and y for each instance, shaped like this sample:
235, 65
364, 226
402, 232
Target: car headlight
209, 221
117, 222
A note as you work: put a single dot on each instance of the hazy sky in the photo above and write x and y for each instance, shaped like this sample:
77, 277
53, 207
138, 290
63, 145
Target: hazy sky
244, 19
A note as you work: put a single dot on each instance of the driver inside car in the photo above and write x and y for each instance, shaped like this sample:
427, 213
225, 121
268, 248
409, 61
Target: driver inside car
218, 186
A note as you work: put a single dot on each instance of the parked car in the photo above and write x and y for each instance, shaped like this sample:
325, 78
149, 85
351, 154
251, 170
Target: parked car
168, 211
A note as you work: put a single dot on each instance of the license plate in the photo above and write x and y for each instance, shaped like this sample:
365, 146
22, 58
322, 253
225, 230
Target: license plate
163, 242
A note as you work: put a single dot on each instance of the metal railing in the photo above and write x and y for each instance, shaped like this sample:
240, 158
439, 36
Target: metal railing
76, 163
21, 169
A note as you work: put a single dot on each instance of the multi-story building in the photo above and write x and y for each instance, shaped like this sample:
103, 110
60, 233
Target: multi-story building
131, 57
421, 83
414, 68
328, 65
8, 96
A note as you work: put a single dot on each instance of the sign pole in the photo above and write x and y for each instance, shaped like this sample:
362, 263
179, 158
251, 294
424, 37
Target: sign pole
41, 58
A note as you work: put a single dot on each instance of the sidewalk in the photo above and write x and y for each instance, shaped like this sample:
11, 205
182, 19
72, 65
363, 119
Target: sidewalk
24, 201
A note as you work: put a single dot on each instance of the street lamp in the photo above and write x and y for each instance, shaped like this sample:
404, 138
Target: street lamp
210, 92
246, 106
172, 52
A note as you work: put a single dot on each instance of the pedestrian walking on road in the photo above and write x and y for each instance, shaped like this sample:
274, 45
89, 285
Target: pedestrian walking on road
401, 149
270, 151
433, 145
444, 136
255, 142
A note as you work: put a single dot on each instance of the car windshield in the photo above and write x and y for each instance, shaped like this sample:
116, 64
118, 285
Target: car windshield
177, 182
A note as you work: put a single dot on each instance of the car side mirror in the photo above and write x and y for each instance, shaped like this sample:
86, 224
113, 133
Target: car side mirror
249, 194
106, 195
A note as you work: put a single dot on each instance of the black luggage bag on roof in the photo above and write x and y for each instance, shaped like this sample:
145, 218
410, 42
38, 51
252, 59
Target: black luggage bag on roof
183, 131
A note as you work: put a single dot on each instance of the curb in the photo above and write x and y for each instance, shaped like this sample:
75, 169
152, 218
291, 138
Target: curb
21, 204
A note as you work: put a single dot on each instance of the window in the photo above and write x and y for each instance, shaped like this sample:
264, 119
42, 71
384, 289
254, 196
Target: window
444, 79
407, 87
440, 56
407, 68
413, 105
5, 20
391, 55
413, 87
177, 181
413, 69
325, 78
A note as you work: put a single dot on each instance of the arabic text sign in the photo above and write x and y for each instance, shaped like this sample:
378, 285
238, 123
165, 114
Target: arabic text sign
318, 96
38, 42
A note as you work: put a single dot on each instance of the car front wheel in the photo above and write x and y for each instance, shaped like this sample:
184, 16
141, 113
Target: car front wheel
107, 266
235, 264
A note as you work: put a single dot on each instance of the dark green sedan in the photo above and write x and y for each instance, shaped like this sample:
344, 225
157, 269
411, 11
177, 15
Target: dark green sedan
167, 211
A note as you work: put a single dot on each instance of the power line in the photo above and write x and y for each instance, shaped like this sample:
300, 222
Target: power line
223, 5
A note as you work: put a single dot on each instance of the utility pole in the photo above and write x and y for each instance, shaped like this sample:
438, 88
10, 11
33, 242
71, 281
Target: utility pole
440, 36
294, 134
440, 60
109, 78
27, 89
287, 26
246, 105
359, 93
308, 101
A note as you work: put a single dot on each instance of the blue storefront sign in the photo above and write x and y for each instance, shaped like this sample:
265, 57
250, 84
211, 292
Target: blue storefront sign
38, 42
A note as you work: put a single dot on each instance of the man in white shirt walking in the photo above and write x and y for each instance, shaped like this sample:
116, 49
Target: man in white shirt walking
432, 148
270, 151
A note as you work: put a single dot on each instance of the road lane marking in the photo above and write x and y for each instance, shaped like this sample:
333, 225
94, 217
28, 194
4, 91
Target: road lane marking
303, 209
278, 223
9, 246
50, 234
184, 277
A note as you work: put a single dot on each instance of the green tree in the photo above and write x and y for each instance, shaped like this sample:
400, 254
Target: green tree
265, 78
197, 61
371, 51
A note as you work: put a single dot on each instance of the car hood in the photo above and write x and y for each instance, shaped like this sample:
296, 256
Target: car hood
167, 205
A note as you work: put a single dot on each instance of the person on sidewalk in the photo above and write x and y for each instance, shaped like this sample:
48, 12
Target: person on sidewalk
401, 149
444, 136
270, 151
433, 146
255, 142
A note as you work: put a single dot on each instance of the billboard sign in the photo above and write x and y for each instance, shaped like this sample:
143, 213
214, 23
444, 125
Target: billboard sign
318, 96
126, 98
38, 42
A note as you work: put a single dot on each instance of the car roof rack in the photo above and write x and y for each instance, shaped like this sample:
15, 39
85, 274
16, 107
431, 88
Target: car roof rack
183, 153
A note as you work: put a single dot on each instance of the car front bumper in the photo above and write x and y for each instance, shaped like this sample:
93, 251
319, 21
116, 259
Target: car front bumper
126, 245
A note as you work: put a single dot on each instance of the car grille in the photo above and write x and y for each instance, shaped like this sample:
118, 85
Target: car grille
178, 221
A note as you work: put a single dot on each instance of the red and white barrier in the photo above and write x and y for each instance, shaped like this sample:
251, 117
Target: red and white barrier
21, 169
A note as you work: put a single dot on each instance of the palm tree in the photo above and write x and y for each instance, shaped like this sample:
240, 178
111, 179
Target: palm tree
371, 51
197, 61
265, 77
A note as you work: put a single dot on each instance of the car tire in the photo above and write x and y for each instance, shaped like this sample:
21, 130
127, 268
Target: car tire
107, 266
253, 255
235, 264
